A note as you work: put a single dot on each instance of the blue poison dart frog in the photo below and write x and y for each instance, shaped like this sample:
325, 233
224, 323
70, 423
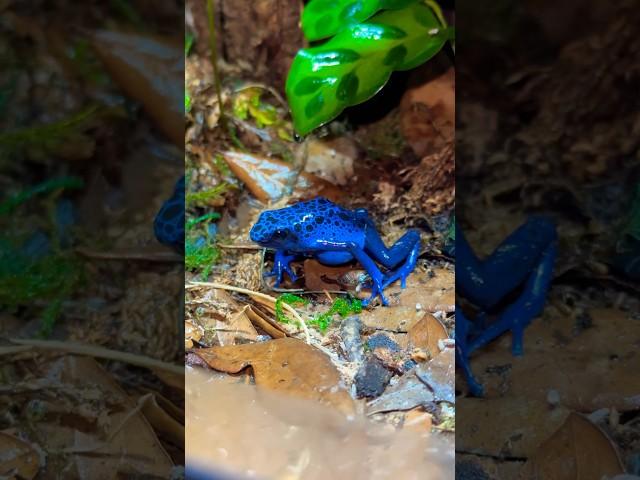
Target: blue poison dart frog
333, 235
522, 263
168, 225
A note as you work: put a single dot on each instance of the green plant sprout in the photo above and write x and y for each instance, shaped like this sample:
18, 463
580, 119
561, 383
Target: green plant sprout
25, 279
42, 139
341, 306
355, 63
289, 299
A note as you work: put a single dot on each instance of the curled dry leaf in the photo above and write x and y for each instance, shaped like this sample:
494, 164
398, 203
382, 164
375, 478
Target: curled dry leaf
149, 69
578, 449
18, 458
161, 420
263, 322
268, 179
288, 365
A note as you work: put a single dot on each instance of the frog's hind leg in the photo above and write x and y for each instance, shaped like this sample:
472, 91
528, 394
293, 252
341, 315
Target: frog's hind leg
462, 352
529, 305
485, 283
406, 250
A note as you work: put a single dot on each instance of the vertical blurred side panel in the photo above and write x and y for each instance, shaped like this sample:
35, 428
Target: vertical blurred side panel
547, 205
92, 239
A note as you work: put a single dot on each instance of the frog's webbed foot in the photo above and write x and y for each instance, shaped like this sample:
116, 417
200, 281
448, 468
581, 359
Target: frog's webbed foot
281, 264
405, 269
377, 289
462, 353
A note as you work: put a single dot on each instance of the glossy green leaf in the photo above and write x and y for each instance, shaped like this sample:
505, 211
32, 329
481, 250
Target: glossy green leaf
325, 18
355, 64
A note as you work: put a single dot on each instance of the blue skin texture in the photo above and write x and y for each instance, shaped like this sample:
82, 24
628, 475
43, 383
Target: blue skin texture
525, 259
168, 225
334, 235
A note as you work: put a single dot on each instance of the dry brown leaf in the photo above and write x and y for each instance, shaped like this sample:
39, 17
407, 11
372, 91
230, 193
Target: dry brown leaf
18, 458
192, 333
426, 333
267, 178
433, 292
577, 450
586, 371
428, 114
504, 427
126, 429
318, 277
418, 420
288, 365
149, 69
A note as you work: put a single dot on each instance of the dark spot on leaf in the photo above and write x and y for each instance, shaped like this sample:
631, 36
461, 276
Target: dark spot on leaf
348, 87
308, 85
425, 18
324, 22
319, 219
314, 106
309, 228
395, 56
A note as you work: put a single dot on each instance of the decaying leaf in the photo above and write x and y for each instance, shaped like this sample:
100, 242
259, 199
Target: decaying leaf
439, 375
18, 458
150, 70
268, 179
578, 449
428, 115
288, 365
426, 333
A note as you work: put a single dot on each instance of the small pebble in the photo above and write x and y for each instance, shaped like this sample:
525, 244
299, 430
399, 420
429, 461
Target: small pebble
553, 398
372, 379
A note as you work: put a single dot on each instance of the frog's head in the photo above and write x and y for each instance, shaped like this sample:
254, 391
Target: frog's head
273, 231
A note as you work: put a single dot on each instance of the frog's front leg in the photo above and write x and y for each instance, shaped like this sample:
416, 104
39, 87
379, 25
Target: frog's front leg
529, 305
281, 264
373, 271
406, 249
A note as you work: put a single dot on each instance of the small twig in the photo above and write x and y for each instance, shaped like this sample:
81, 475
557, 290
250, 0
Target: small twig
148, 256
98, 352
252, 293
240, 247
